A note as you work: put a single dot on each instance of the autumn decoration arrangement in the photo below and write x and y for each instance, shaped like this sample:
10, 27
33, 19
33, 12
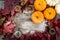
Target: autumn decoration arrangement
30, 20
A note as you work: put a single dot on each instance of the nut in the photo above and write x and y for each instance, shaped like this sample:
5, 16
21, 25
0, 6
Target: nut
52, 31
17, 8
30, 7
24, 2
17, 34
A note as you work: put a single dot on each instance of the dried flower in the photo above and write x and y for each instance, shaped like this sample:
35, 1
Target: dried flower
8, 27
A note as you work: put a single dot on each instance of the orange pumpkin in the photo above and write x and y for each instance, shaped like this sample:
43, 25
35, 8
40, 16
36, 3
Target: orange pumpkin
49, 13
40, 5
37, 17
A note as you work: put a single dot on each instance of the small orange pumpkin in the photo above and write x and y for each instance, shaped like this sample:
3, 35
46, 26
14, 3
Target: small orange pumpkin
37, 17
40, 5
49, 13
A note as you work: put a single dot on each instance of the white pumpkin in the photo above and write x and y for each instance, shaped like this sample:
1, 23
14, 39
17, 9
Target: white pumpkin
52, 2
57, 8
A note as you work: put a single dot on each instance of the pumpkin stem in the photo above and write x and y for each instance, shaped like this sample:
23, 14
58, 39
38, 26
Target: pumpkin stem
39, 3
37, 17
49, 13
